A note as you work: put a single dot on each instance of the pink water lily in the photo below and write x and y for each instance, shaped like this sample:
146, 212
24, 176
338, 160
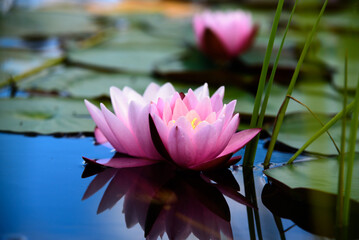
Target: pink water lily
192, 131
198, 132
224, 35
127, 130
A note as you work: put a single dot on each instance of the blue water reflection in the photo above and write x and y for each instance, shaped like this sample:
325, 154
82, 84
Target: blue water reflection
42, 191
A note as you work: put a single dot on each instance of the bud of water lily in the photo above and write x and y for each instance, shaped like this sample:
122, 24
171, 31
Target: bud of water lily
224, 35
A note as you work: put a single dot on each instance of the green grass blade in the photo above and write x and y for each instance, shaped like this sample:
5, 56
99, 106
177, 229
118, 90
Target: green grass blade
283, 109
271, 78
339, 207
350, 159
252, 146
250, 151
328, 125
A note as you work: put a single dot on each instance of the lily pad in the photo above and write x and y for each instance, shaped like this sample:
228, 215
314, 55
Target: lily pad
44, 115
317, 94
13, 63
42, 23
321, 175
298, 128
83, 83
334, 56
129, 51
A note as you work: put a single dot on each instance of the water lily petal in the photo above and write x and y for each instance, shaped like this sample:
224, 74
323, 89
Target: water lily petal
132, 95
141, 129
217, 100
119, 103
211, 164
124, 136
167, 113
190, 100
99, 136
205, 140
180, 147
151, 92
162, 129
227, 112
202, 91
121, 162
184, 124
204, 108
239, 140
174, 98
227, 133
165, 91
179, 110
101, 123
211, 118
159, 107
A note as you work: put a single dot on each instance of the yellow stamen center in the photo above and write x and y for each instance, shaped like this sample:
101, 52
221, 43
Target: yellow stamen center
195, 122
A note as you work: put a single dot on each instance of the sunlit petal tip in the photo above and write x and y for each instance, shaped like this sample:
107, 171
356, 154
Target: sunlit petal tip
220, 92
90, 105
239, 140
114, 89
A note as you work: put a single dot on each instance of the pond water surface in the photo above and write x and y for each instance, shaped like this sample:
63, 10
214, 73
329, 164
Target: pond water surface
43, 191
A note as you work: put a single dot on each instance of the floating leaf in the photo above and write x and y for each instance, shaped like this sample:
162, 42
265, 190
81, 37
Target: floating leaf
321, 175
318, 95
332, 55
14, 63
42, 24
44, 115
130, 50
298, 128
82, 83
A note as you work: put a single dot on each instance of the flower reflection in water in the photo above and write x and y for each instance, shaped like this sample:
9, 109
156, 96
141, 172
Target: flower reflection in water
163, 200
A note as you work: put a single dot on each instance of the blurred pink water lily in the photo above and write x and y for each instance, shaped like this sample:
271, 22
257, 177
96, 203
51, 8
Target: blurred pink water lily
127, 130
224, 35
198, 132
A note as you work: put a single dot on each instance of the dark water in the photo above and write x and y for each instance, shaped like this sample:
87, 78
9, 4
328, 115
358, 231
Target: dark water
42, 190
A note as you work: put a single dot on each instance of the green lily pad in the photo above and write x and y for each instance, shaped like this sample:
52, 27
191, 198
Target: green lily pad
343, 20
321, 175
129, 51
332, 52
41, 23
298, 128
13, 63
318, 95
158, 25
83, 83
44, 115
